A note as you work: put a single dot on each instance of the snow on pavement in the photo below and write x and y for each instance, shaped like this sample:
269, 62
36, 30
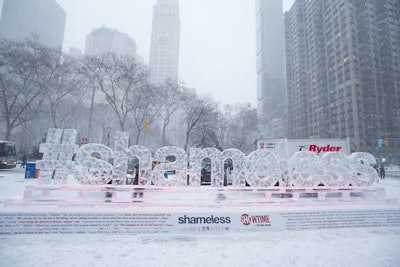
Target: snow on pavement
334, 247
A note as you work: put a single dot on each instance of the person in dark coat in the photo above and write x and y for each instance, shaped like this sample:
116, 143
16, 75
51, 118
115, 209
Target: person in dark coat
23, 164
382, 172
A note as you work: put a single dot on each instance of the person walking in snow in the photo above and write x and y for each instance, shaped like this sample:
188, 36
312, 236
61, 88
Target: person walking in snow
382, 172
23, 164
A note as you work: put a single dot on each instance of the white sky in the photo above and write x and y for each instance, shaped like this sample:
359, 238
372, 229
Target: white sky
217, 48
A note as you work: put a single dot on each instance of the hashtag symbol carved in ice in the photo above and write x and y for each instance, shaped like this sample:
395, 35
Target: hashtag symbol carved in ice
57, 156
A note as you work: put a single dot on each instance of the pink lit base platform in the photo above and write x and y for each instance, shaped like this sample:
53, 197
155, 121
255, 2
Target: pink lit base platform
205, 196
77, 209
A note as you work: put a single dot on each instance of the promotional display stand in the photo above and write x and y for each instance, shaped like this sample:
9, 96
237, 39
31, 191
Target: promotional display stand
305, 191
77, 209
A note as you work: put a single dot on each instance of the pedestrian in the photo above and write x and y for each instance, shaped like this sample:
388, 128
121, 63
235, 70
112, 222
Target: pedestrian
382, 172
137, 194
136, 181
23, 164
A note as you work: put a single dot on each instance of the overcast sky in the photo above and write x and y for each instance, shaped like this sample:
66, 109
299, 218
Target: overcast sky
217, 47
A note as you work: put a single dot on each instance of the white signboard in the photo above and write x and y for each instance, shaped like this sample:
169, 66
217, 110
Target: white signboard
318, 146
212, 222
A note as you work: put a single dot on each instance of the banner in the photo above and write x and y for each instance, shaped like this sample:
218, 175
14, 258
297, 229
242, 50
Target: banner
202, 222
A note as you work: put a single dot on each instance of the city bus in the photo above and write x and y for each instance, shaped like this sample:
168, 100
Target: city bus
8, 155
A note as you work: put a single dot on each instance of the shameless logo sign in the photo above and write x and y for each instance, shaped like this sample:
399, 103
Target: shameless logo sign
204, 219
257, 220
97, 164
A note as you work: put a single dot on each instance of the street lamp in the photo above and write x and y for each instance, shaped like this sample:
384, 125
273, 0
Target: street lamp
91, 114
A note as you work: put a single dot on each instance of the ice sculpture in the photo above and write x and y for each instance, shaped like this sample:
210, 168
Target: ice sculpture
194, 167
307, 170
214, 156
120, 160
337, 171
94, 164
177, 166
145, 163
57, 156
364, 174
238, 166
99, 164
263, 169
268, 167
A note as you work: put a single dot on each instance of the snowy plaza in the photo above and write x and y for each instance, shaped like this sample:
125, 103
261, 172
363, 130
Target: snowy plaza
306, 210
358, 246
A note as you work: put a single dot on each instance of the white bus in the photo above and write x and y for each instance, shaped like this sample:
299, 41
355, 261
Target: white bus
8, 155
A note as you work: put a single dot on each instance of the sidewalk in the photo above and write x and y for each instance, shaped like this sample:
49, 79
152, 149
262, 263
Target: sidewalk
393, 172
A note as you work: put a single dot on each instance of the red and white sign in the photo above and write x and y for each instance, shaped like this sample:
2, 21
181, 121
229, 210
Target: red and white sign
318, 146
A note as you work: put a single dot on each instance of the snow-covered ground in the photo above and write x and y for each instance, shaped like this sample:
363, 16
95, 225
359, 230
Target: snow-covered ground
334, 247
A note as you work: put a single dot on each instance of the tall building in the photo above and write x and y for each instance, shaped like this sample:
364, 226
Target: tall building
102, 40
343, 72
22, 18
271, 77
74, 52
165, 36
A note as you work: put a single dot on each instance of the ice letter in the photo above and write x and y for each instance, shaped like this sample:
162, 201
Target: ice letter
145, 162
336, 168
263, 169
304, 165
216, 165
234, 165
363, 173
57, 157
172, 160
93, 164
120, 163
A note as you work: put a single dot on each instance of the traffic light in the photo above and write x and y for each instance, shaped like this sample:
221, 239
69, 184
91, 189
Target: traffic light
146, 125
386, 142
380, 142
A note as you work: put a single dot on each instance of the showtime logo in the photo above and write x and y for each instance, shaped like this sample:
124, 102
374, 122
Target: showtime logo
259, 220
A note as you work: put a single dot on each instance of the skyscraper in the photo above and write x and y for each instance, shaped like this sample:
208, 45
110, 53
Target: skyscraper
165, 36
343, 72
271, 79
102, 40
22, 18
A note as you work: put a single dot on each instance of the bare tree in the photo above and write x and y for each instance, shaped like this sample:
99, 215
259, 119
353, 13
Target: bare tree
65, 92
145, 101
242, 125
117, 77
196, 110
26, 67
104, 124
222, 130
171, 99
205, 135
